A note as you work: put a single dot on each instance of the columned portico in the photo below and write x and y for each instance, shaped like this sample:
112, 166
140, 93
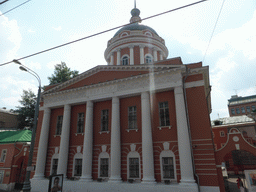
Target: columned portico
88, 144
42, 147
186, 167
115, 142
147, 142
64, 142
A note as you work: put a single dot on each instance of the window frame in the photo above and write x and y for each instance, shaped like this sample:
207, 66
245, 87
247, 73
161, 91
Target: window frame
168, 154
106, 168
125, 60
237, 110
2, 173
242, 109
233, 111
222, 134
132, 118
248, 109
54, 165
147, 60
78, 167
3, 155
164, 119
103, 155
59, 125
80, 123
104, 120
134, 167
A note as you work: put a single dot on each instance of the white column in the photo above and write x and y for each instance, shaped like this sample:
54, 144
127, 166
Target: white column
155, 54
42, 147
88, 144
111, 59
64, 142
115, 142
142, 54
147, 142
186, 167
131, 55
118, 56
161, 56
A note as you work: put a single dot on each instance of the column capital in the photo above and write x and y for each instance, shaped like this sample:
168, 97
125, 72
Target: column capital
118, 50
89, 103
115, 100
131, 46
142, 46
178, 90
145, 95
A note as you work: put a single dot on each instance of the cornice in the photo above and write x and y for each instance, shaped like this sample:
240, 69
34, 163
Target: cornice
99, 68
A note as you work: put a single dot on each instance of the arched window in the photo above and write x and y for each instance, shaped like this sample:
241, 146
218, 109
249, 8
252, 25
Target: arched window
77, 164
103, 165
125, 60
168, 166
133, 165
149, 59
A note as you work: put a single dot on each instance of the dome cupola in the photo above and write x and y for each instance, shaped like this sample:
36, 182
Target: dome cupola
135, 44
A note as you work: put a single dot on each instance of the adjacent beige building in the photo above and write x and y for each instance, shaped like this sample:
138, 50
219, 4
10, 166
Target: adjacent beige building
8, 119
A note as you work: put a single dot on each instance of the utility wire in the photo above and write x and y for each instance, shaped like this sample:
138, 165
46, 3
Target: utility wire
62, 45
15, 7
213, 30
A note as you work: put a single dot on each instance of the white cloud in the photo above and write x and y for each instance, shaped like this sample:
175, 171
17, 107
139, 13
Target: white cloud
31, 31
10, 31
51, 64
34, 65
57, 28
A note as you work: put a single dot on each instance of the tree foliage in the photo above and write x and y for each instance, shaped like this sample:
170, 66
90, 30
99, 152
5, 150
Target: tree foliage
62, 73
26, 110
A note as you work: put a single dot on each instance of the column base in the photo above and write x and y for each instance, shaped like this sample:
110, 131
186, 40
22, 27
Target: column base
187, 182
115, 180
85, 179
38, 177
148, 181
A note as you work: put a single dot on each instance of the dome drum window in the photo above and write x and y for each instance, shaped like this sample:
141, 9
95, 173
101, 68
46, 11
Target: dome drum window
148, 58
125, 60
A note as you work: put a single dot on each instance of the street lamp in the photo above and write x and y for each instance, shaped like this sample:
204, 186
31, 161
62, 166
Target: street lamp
27, 185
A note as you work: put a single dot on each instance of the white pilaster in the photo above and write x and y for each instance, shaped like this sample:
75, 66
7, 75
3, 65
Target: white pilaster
115, 142
147, 142
186, 167
88, 144
112, 59
155, 54
64, 142
118, 56
131, 55
142, 54
43, 143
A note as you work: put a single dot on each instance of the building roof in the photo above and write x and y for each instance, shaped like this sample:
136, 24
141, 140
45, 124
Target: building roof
232, 120
235, 100
3, 110
15, 136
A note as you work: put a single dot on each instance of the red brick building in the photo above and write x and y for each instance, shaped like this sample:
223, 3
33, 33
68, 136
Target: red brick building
14, 149
140, 119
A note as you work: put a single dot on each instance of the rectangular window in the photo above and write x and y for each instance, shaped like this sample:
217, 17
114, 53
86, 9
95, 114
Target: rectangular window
104, 167
78, 167
164, 114
237, 111
253, 107
59, 125
54, 166
80, 123
1, 176
134, 168
3, 155
168, 168
104, 120
243, 109
132, 117
248, 109
233, 111
222, 133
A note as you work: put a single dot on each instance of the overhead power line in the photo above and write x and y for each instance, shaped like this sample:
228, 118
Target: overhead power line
96, 34
14, 8
213, 30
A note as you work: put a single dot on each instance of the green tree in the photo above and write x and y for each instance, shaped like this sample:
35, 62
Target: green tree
62, 73
26, 110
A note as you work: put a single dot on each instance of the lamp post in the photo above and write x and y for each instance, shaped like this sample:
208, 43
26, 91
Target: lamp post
27, 185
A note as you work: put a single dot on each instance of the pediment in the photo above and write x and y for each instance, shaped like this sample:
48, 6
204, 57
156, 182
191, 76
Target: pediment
106, 73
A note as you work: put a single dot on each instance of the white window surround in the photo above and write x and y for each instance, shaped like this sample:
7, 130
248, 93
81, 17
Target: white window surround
124, 34
104, 155
1, 176
76, 156
3, 155
149, 34
125, 55
168, 153
55, 156
133, 154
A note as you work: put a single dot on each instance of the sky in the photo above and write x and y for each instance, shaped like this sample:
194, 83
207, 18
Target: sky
190, 33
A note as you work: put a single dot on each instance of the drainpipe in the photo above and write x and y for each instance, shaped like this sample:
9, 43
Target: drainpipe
189, 131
